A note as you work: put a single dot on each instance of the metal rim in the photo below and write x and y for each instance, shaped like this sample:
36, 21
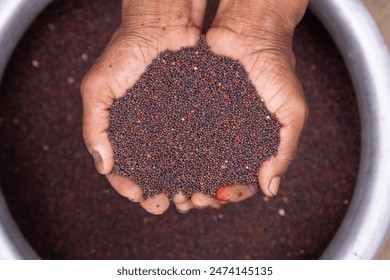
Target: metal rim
366, 223
365, 226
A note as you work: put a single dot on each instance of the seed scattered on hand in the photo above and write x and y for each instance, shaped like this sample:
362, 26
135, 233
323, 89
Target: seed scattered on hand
193, 122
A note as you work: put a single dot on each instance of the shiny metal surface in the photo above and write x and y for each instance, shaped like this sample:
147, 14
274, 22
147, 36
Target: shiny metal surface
368, 60
367, 221
15, 17
13, 246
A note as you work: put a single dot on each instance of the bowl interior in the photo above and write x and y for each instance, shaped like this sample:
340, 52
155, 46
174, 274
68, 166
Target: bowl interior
67, 211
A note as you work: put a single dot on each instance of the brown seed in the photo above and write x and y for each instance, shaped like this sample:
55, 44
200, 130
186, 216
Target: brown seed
200, 117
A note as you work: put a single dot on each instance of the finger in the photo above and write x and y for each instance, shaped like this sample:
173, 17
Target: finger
96, 101
200, 200
183, 204
125, 187
156, 205
272, 171
180, 198
184, 207
235, 193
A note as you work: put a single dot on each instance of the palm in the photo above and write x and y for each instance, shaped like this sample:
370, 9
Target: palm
271, 70
119, 67
127, 56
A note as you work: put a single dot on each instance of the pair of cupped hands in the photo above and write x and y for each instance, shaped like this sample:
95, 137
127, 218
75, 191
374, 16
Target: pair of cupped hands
257, 33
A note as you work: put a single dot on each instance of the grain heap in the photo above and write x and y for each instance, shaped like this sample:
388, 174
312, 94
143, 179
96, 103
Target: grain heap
193, 122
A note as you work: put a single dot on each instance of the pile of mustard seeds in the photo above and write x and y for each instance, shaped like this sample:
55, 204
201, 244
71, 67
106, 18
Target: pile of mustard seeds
193, 122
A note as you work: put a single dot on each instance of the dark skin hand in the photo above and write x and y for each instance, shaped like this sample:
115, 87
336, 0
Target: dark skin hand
257, 34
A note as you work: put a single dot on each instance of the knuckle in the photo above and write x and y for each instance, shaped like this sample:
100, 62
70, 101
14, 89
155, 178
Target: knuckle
290, 156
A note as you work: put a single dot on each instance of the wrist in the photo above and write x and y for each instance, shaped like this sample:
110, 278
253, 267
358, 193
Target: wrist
261, 19
164, 14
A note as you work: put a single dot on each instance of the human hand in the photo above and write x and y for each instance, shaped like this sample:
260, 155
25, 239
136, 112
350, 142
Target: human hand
137, 42
147, 28
259, 35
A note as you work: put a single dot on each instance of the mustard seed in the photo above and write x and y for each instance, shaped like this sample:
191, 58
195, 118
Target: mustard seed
193, 122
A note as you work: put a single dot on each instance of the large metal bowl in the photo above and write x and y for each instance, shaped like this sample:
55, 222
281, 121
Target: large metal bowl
367, 221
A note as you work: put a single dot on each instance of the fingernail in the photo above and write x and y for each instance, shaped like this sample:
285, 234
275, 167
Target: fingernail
273, 186
183, 212
98, 161
223, 194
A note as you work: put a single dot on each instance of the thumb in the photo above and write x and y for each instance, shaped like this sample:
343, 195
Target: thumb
97, 99
273, 170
